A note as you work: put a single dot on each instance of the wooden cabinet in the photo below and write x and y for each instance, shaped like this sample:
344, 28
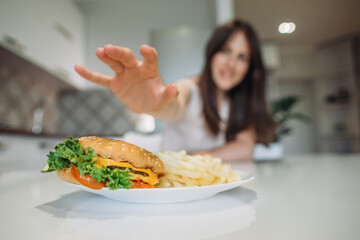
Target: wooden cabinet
337, 96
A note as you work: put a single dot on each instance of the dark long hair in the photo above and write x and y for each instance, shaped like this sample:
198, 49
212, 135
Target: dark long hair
248, 107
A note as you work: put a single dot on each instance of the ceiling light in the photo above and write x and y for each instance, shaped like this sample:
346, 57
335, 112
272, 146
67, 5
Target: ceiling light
287, 27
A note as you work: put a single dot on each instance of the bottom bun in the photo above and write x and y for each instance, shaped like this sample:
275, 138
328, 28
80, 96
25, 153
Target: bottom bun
66, 176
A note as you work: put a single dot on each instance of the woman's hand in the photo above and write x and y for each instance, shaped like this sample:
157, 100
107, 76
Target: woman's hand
137, 84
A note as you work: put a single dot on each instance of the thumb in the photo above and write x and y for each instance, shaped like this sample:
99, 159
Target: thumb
171, 92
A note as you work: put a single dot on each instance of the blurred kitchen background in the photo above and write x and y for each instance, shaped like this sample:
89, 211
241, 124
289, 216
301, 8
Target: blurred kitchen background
42, 100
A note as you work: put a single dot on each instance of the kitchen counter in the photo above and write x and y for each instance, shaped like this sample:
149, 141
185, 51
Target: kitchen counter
300, 197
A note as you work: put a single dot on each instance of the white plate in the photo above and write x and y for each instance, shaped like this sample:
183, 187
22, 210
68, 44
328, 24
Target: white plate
167, 195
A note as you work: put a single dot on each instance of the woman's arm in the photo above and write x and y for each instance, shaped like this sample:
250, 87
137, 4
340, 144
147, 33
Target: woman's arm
138, 84
240, 149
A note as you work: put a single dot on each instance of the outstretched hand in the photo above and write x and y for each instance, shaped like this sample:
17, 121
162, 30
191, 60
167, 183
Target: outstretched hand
136, 83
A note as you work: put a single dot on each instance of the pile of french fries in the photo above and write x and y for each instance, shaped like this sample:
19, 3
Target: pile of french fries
183, 170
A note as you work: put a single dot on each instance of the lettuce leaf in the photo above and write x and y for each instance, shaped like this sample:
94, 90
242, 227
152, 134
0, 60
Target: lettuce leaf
71, 152
116, 178
66, 153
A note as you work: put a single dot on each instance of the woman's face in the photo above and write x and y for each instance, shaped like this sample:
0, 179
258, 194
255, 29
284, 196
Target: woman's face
230, 65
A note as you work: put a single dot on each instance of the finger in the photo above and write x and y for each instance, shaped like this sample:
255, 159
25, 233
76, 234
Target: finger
116, 66
171, 91
124, 55
150, 56
92, 76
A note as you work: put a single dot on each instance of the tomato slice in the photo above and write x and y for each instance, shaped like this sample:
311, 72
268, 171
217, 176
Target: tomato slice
86, 180
140, 184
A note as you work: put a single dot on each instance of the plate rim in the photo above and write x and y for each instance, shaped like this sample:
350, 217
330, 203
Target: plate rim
223, 185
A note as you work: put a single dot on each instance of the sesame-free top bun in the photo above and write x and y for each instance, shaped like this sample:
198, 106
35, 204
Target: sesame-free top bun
124, 152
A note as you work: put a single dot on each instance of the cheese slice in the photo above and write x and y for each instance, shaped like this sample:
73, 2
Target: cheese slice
152, 178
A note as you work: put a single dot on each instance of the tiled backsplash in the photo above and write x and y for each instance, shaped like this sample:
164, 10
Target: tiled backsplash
20, 95
95, 112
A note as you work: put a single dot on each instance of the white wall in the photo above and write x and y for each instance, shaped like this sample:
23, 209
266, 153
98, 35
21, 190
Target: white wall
224, 11
33, 23
130, 23
181, 51
296, 62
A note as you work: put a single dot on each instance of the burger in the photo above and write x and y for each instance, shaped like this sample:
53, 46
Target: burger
97, 162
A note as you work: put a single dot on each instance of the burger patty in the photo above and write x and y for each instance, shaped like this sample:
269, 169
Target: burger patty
131, 170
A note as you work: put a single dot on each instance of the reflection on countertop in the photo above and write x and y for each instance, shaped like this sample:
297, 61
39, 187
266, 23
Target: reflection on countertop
79, 204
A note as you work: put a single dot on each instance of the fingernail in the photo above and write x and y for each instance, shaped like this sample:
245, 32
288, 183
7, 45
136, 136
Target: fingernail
108, 46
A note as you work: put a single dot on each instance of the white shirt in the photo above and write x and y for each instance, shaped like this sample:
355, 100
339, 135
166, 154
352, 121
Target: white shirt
190, 133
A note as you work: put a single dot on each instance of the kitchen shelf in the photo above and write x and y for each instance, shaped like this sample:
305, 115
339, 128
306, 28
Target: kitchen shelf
341, 136
336, 106
337, 67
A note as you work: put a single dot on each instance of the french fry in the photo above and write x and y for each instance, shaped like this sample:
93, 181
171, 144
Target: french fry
183, 170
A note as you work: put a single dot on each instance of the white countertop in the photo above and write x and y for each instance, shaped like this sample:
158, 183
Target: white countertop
304, 197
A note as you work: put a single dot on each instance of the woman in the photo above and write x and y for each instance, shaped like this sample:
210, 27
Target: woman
222, 112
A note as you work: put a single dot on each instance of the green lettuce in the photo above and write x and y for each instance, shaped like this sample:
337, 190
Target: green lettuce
71, 152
